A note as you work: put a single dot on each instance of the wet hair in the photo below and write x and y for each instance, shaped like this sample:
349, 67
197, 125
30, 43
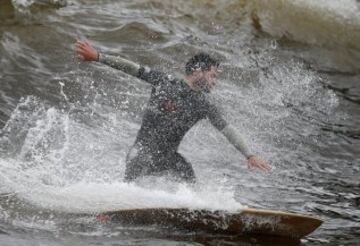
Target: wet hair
200, 60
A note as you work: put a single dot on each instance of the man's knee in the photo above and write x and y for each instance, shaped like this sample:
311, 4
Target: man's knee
137, 164
184, 169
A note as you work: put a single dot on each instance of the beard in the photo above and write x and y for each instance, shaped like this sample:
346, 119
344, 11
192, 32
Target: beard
203, 85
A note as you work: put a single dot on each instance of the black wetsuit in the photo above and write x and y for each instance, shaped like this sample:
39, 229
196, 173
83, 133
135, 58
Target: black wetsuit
172, 110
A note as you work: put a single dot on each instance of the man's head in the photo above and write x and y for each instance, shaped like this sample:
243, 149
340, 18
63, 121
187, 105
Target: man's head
201, 71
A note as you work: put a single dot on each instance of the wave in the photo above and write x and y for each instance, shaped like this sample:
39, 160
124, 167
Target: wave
324, 23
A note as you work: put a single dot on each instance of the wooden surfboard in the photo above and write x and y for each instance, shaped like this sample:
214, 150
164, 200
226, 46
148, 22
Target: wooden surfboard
246, 221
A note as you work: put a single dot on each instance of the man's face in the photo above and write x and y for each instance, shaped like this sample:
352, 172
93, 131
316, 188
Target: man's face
207, 79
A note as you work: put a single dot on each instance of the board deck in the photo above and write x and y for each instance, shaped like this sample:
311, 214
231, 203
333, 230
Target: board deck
246, 221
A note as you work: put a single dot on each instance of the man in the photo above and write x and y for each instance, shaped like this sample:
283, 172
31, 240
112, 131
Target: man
175, 106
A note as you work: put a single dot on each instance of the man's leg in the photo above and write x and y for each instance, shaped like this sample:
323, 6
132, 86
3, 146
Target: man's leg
137, 163
182, 169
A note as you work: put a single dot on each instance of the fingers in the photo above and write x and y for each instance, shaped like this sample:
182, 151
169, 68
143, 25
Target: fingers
264, 166
80, 45
260, 166
81, 57
256, 163
80, 52
84, 43
82, 49
267, 166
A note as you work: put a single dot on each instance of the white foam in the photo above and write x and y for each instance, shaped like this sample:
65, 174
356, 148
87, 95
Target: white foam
63, 165
96, 197
23, 4
84, 197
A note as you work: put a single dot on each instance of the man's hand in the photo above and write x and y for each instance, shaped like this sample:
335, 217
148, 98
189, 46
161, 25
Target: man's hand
254, 162
85, 51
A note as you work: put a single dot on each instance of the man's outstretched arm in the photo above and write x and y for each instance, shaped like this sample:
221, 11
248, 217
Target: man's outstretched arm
88, 53
238, 142
119, 63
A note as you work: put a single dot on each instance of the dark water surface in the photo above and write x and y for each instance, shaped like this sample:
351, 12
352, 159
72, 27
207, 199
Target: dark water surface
290, 84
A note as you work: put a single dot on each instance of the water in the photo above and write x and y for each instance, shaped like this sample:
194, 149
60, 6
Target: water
290, 85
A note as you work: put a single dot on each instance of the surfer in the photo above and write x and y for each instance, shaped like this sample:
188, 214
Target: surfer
175, 106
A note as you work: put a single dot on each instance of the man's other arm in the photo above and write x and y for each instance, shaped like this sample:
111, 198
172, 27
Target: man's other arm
235, 139
88, 53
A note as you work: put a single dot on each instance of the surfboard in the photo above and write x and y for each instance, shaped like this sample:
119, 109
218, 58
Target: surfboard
246, 221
